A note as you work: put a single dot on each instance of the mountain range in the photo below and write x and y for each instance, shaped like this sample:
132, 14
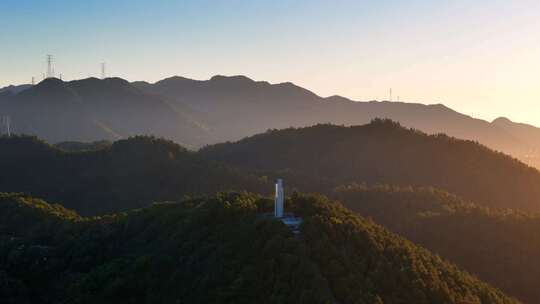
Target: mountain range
123, 240
196, 113
100, 178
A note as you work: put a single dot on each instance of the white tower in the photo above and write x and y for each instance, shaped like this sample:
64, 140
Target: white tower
279, 199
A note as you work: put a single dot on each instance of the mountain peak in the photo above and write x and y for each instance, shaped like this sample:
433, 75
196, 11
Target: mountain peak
93, 84
47, 86
116, 81
50, 83
174, 79
235, 78
338, 98
501, 120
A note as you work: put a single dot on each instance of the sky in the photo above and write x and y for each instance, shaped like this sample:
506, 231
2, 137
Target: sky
479, 57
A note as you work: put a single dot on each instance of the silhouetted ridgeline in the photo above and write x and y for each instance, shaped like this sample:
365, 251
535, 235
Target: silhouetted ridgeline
322, 157
217, 103
129, 174
216, 249
93, 109
195, 113
14, 89
501, 247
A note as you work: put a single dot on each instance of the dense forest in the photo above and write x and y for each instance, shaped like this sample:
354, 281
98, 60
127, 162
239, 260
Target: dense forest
128, 174
99, 178
500, 246
323, 157
218, 249
95, 178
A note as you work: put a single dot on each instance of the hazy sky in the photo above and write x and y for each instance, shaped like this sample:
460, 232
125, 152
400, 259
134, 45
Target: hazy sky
479, 57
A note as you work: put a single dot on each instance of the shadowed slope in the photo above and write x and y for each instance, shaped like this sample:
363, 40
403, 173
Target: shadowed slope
322, 157
499, 246
128, 174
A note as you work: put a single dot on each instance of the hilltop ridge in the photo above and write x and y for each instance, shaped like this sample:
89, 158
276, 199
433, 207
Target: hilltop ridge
325, 156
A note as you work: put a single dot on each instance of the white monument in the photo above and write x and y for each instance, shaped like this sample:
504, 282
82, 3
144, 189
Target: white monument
279, 199
288, 219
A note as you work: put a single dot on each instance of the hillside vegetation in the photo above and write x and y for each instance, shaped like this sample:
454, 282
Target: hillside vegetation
323, 157
500, 246
128, 174
218, 249
95, 179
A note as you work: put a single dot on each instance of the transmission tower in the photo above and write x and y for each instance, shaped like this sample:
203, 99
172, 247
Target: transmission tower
50, 69
103, 74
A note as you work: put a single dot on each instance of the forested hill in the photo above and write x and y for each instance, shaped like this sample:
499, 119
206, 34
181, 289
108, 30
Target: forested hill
128, 174
499, 246
102, 177
217, 249
322, 157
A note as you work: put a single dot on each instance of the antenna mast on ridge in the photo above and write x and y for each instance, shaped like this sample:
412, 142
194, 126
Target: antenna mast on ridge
103, 74
50, 69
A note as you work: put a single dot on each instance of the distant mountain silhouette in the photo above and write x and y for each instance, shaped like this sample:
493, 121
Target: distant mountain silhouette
93, 109
15, 89
528, 135
260, 106
200, 112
